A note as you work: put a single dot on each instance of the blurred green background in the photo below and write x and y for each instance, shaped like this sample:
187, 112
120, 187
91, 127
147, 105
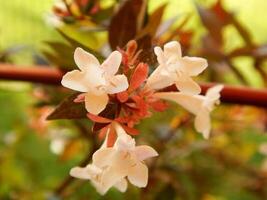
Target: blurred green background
36, 155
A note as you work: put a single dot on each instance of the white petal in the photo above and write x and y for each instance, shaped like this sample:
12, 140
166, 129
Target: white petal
117, 84
202, 123
194, 65
187, 85
93, 74
124, 141
192, 103
80, 172
85, 60
213, 93
158, 80
103, 157
95, 103
112, 175
100, 188
160, 56
75, 80
138, 175
121, 185
112, 63
144, 152
172, 50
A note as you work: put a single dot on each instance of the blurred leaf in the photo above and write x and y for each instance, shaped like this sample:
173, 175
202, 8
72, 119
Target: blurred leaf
67, 109
76, 44
147, 54
124, 24
165, 26
61, 55
103, 14
154, 21
211, 22
90, 39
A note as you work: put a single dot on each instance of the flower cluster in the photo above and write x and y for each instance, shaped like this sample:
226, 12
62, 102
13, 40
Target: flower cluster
111, 165
71, 11
116, 102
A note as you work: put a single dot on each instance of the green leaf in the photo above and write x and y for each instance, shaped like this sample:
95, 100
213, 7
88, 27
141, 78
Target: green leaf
74, 43
61, 54
91, 39
67, 109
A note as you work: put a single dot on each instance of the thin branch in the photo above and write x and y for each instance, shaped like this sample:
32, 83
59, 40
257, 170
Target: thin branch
36, 74
49, 75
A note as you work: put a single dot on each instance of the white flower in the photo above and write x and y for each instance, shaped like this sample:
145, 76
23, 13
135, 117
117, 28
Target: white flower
97, 81
199, 105
175, 69
111, 165
95, 174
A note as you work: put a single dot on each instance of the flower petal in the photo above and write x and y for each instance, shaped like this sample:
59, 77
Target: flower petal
144, 152
112, 63
172, 50
95, 103
192, 103
75, 80
202, 123
160, 55
158, 80
124, 141
117, 84
187, 85
213, 93
122, 185
103, 157
85, 60
138, 175
194, 65
113, 174
80, 172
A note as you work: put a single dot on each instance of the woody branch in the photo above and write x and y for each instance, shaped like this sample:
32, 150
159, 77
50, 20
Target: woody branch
53, 76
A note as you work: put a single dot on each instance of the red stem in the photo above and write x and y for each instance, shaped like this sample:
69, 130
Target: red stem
48, 75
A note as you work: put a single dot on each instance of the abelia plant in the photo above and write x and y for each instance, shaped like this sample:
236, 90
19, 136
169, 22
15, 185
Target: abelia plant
119, 93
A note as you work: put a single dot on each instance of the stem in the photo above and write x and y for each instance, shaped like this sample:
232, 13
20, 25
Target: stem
46, 75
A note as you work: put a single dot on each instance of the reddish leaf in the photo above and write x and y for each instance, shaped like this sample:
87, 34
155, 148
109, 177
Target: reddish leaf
139, 101
67, 109
122, 96
98, 119
122, 119
111, 137
129, 130
124, 24
103, 132
212, 23
221, 13
98, 126
139, 76
147, 54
